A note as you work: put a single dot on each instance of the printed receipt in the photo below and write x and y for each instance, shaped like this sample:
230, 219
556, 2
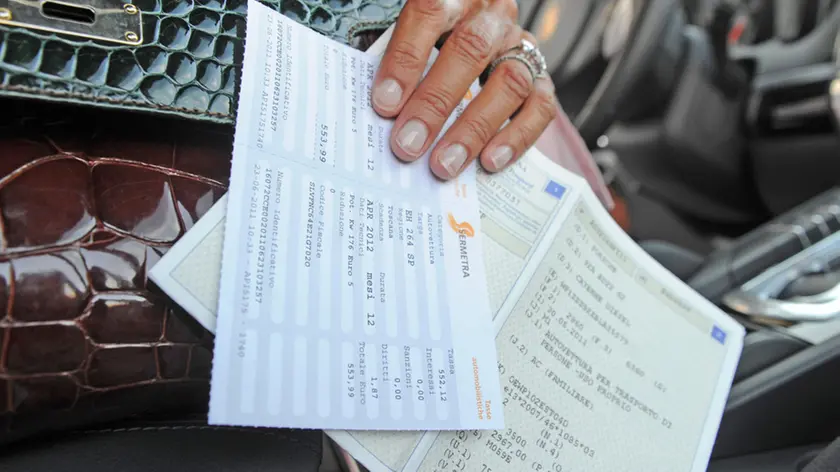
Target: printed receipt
353, 290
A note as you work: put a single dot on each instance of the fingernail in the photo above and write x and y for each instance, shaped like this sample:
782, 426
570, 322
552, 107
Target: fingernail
412, 137
501, 156
453, 159
388, 94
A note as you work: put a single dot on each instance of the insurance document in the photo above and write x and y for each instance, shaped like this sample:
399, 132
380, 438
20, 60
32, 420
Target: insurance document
353, 292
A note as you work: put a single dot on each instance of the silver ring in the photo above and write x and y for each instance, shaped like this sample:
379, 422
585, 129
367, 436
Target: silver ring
526, 53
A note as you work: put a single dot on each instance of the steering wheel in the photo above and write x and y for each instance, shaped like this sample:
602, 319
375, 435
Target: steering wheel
603, 49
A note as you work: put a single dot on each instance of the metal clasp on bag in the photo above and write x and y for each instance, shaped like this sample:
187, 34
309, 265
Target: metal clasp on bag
115, 21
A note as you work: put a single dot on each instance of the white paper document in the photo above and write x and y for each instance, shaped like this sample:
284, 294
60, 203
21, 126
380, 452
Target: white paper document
353, 292
607, 361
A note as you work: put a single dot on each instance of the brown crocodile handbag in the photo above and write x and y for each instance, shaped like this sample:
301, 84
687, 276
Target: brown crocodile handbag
109, 152
90, 199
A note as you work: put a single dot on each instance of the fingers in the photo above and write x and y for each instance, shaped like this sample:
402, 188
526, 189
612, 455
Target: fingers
464, 56
418, 28
523, 131
507, 88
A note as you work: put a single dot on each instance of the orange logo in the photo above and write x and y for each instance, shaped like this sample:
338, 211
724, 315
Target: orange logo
468, 96
461, 228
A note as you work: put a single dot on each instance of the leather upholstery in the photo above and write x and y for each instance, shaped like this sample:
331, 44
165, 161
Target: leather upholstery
181, 446
188, 65
89, 201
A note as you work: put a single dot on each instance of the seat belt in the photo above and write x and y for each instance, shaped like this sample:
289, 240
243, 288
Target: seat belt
826, 461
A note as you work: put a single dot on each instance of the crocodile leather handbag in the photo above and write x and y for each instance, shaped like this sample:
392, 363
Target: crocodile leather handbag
115, 138
177, 57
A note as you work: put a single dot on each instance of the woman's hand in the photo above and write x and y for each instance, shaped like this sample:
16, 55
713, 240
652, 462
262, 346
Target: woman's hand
481, 31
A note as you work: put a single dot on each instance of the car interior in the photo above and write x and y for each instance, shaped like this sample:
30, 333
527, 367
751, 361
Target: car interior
717, 128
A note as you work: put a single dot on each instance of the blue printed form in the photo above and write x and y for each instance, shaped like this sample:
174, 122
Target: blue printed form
353, 292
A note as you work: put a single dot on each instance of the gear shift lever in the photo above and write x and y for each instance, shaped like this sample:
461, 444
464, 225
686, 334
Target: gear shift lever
793, 290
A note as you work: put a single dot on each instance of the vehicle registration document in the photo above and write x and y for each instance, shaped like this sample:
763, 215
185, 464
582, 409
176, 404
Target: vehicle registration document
607, 361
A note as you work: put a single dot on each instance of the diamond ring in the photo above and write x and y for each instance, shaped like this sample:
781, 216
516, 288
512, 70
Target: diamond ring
527, 53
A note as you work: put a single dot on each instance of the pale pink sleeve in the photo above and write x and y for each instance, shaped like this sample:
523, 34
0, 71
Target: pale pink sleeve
561, 143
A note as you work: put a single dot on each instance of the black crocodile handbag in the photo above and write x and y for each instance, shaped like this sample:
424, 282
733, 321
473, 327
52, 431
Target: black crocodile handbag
176, 57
